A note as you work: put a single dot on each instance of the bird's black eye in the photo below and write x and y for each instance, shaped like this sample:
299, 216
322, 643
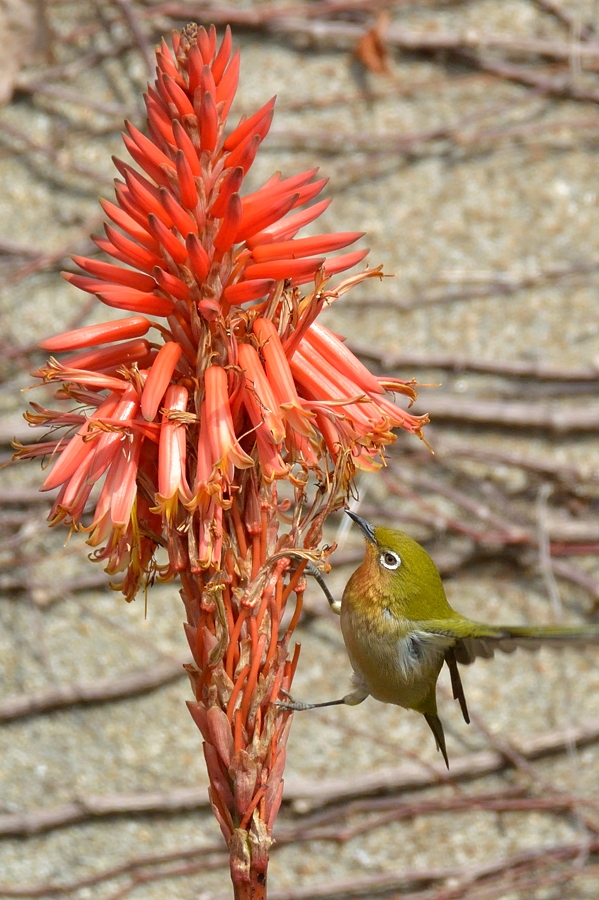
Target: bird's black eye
390, 560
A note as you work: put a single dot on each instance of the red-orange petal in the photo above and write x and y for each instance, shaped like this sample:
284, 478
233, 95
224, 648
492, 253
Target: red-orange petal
228, 186
195, 64
258, 396
159, 120
124, 484
245, 291
207, 43
172, 448
149, 149
126, 221
167, 239
250, 125
222, 57
138, 256
245, 154
308, 246
91, 335
159, 378
260, 216
178, 96
182, 220
209, 119
224, 446
280, 270
207, 84
112, 273
91, 285
286, 228
341, 358
184, 143
76, 450
345, 261
309, 191
187, 185
166, 62
280, 377
136, 301
199, 259
118, 355
172, 285
227, 86
146, 197
157, 174
229, 226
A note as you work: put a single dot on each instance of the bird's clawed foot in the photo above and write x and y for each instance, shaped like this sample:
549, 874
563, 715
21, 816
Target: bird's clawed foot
298, 706
294, 705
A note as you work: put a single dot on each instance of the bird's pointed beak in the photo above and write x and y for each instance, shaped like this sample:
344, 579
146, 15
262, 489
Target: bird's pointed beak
366, 528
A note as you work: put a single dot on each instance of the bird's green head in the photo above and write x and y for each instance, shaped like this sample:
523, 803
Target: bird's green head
399, 573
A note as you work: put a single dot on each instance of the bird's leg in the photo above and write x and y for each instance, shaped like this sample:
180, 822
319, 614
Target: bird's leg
352, 699
313, 570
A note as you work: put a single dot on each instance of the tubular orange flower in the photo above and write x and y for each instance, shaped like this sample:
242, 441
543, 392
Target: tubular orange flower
92, 335
180, 442
281, 379
226, 451
259, 397
159, 378
172, 452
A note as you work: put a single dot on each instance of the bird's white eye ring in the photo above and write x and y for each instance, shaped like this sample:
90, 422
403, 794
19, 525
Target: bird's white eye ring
390, 560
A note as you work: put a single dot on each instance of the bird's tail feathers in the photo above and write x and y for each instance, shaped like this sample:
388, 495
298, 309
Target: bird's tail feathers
436, 727
484, 643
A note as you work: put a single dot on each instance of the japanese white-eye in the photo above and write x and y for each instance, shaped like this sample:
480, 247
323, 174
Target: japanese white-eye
399, 629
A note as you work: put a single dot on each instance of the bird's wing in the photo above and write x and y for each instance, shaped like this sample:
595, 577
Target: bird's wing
483, 646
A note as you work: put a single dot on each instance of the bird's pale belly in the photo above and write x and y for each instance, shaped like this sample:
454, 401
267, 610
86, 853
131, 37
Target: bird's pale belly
394, 668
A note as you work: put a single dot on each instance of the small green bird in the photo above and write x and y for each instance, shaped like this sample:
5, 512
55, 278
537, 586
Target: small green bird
399, 629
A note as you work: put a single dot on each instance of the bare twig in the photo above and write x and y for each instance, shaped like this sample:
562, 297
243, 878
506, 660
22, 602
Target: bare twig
498, 285
537, 370
545, 416
310, 21
132, 18
101, 690
410, 776
212, 857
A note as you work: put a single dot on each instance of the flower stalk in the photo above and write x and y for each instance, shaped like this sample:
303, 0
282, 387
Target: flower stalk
218, 424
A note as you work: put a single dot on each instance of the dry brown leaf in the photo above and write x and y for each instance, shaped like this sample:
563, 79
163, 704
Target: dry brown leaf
371, 49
